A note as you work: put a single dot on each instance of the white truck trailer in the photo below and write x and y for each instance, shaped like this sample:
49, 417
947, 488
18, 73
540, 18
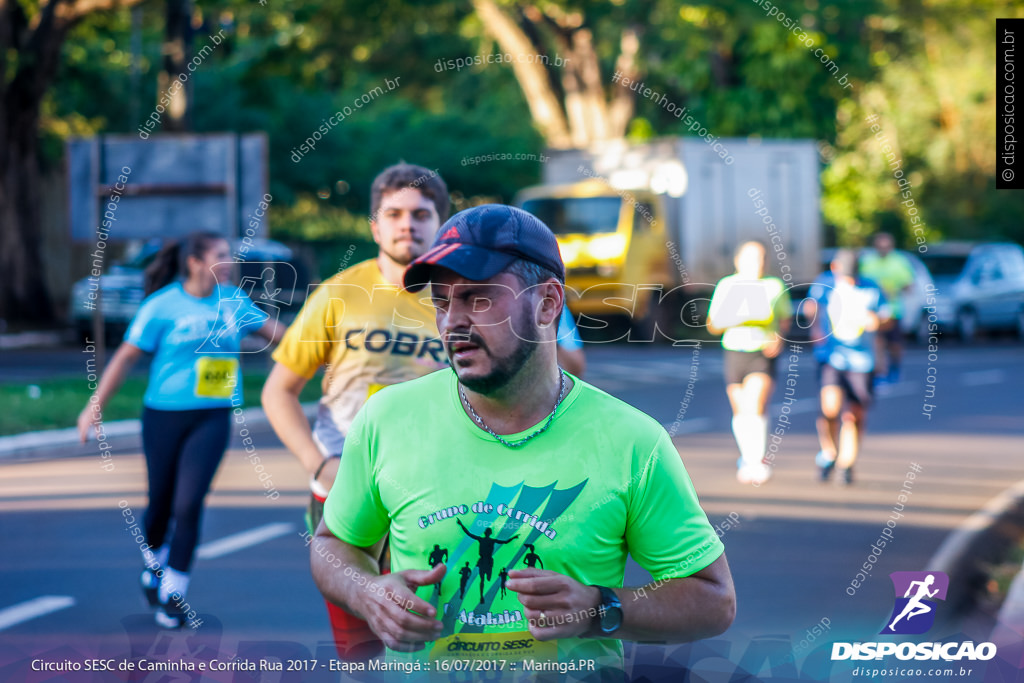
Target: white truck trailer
645, 228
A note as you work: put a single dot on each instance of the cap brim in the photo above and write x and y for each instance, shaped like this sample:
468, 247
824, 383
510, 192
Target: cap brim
471, 262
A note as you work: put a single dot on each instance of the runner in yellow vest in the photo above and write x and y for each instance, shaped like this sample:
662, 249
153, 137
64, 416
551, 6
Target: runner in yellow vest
751, 312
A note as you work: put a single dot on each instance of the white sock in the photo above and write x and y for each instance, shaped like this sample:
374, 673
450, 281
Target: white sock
162, 553
173, 582
737, 432
758, 437
741, 430
751, 437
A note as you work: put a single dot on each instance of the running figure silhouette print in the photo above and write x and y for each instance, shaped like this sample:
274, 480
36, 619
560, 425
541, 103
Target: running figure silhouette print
916, 592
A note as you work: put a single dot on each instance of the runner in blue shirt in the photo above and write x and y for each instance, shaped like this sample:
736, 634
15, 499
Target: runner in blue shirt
570, 346
193, 325
847, 310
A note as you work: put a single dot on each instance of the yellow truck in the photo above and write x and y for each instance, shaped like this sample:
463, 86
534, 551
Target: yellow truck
647, 230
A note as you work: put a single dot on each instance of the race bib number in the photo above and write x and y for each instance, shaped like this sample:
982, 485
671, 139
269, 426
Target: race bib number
508, 646
216, 377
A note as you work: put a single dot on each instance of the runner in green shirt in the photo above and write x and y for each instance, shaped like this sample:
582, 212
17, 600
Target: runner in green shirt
510, 464
891, 271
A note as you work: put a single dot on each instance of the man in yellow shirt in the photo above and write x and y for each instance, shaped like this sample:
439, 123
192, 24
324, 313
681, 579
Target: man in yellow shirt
368, 333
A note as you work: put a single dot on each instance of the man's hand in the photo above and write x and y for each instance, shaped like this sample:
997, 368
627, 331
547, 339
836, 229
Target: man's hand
557, 606
772, 349
88, 422
386, 603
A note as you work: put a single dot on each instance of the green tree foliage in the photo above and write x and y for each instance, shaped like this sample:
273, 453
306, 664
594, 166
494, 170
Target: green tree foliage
924, 69
933, 93
741, 72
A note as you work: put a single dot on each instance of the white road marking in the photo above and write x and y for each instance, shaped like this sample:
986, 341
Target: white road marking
37, 607
244, 539
901, 389
982, 377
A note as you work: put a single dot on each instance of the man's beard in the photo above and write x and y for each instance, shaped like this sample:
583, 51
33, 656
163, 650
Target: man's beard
506, 367
404, 254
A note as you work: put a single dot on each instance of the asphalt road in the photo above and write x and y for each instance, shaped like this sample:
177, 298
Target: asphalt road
69, 568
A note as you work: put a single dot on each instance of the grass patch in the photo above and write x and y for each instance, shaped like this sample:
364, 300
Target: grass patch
58, 401
1002, 575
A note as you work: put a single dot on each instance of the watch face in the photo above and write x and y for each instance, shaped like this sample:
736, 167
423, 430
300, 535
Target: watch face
612, 619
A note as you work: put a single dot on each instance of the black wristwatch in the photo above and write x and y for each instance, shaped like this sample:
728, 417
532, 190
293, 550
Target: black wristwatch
609, 614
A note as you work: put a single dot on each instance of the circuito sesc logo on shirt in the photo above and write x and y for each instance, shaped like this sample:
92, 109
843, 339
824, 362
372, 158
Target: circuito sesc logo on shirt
916, 594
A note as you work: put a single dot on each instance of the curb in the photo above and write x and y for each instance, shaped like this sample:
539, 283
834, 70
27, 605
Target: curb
982, 540
28, 340
64, 443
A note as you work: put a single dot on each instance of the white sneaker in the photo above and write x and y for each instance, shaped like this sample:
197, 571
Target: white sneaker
170, 615
760, 474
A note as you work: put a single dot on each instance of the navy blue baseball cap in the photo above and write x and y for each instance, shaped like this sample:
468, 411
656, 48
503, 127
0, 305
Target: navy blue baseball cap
481, 242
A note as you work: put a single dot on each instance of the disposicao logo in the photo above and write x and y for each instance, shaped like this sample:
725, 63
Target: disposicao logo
912, 614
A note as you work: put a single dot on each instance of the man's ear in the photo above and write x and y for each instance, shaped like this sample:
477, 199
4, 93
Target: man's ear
550, 301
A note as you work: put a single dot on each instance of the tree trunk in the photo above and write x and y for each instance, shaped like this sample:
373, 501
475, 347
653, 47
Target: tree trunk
533, 79
23, 292
582, 113
34, 41
177, 46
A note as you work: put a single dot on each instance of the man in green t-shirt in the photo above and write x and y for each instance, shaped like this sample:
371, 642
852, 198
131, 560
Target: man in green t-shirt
891, 271
501, 460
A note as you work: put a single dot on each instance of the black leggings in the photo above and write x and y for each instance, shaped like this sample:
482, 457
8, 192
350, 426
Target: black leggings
183, 449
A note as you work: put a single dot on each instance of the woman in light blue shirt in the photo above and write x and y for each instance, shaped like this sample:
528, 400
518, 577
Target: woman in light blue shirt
192, 321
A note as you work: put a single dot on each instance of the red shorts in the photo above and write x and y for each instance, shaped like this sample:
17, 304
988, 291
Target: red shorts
353, 638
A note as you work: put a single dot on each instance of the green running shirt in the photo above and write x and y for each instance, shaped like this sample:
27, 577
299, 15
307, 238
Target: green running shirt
603, 481
892, 273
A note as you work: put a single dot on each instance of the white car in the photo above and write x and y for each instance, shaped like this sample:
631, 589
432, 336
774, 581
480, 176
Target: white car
980, 286
122, 285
